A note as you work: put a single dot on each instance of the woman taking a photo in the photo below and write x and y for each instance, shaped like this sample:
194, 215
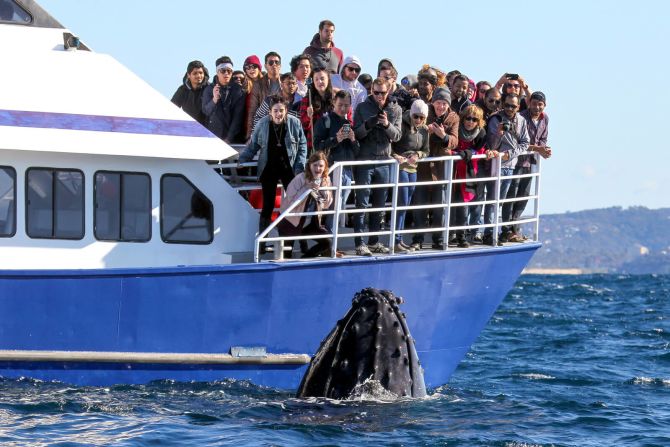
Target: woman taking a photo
283, 149
319, 101
314, 178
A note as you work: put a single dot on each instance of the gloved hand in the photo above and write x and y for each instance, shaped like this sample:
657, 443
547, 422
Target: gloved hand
371, 122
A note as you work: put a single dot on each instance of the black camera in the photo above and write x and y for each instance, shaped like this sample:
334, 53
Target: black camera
512, 76
506, 126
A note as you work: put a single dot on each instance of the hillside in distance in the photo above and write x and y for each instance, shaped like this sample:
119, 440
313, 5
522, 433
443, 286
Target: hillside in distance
608, 240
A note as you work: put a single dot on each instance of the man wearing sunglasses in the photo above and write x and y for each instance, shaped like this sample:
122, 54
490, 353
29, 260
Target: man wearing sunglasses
348, 80
268, 86
223, 104
377, 123
507, 138
492, 103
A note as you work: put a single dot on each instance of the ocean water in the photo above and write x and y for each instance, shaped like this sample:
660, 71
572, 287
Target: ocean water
566, 361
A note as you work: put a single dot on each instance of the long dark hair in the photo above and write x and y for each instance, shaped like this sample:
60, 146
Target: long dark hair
321, 103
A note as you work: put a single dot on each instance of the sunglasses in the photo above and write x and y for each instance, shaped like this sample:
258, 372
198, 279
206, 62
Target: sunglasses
225, 70
273, 62
471, 118
510, 106
250, 66
354, 69
513, 85
418, 117
379, 92
493, 101
239, 79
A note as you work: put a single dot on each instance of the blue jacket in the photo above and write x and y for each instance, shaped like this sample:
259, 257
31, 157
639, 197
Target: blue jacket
296, 144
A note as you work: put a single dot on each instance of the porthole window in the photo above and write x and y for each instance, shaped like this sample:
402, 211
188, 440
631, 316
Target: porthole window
7, 201
186, 213
54, 203
122, 206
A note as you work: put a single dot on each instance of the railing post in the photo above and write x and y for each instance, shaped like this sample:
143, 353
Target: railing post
394, 203
536, 210
496, 211
337, 177
446, 212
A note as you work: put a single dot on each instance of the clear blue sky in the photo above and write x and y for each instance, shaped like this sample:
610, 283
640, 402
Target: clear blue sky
603, 66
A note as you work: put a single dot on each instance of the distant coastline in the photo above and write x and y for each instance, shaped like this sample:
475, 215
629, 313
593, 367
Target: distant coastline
539, 271
610, 240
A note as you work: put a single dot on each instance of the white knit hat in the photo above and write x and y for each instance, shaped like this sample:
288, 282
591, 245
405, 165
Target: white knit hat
419, 108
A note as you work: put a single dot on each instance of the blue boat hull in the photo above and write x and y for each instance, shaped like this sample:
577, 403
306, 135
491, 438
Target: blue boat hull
285, 307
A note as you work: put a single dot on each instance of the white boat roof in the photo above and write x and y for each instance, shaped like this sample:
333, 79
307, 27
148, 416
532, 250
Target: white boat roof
79, 101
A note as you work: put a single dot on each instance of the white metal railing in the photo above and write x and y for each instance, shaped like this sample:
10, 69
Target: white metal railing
337, 209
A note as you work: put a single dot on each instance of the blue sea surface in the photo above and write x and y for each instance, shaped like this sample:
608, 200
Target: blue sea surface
565, 361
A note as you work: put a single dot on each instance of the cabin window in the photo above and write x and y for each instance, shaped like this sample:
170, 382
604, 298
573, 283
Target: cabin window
122, 206
186, 213
10, 11
55, 203
7, 201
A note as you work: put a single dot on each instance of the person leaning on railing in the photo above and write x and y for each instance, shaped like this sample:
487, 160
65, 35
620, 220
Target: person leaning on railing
507, 134
283, 149
538, 130
413, 146
377, 124
471, 141
443, 130
314, 178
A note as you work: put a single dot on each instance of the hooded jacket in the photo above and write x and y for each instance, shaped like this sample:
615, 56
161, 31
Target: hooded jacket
331, 58
356, 89
190, 99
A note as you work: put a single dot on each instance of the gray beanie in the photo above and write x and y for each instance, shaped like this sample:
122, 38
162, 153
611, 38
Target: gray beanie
442, 93
419, 108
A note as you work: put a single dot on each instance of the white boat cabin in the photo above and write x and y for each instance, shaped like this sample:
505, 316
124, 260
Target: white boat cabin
99, 170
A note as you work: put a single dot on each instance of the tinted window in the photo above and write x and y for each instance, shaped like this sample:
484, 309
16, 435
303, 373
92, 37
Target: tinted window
7, 201
122, 206
11, 12
186, 213
55, 203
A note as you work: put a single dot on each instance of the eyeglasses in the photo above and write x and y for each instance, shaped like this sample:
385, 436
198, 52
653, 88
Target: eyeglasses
510, 106
251, 66
273, 62
473, 119
418, 117
379, 92
493, 101
354, 69
225, 70
510, 85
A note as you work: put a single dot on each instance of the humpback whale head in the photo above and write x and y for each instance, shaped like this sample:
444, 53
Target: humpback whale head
371, 342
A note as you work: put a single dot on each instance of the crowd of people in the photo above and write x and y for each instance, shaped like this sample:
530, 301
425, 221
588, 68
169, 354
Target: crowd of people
325, 110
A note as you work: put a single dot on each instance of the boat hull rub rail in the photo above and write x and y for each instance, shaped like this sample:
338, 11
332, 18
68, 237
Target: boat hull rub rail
151, 357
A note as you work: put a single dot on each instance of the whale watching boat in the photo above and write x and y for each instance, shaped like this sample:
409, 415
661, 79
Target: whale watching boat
127, 257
